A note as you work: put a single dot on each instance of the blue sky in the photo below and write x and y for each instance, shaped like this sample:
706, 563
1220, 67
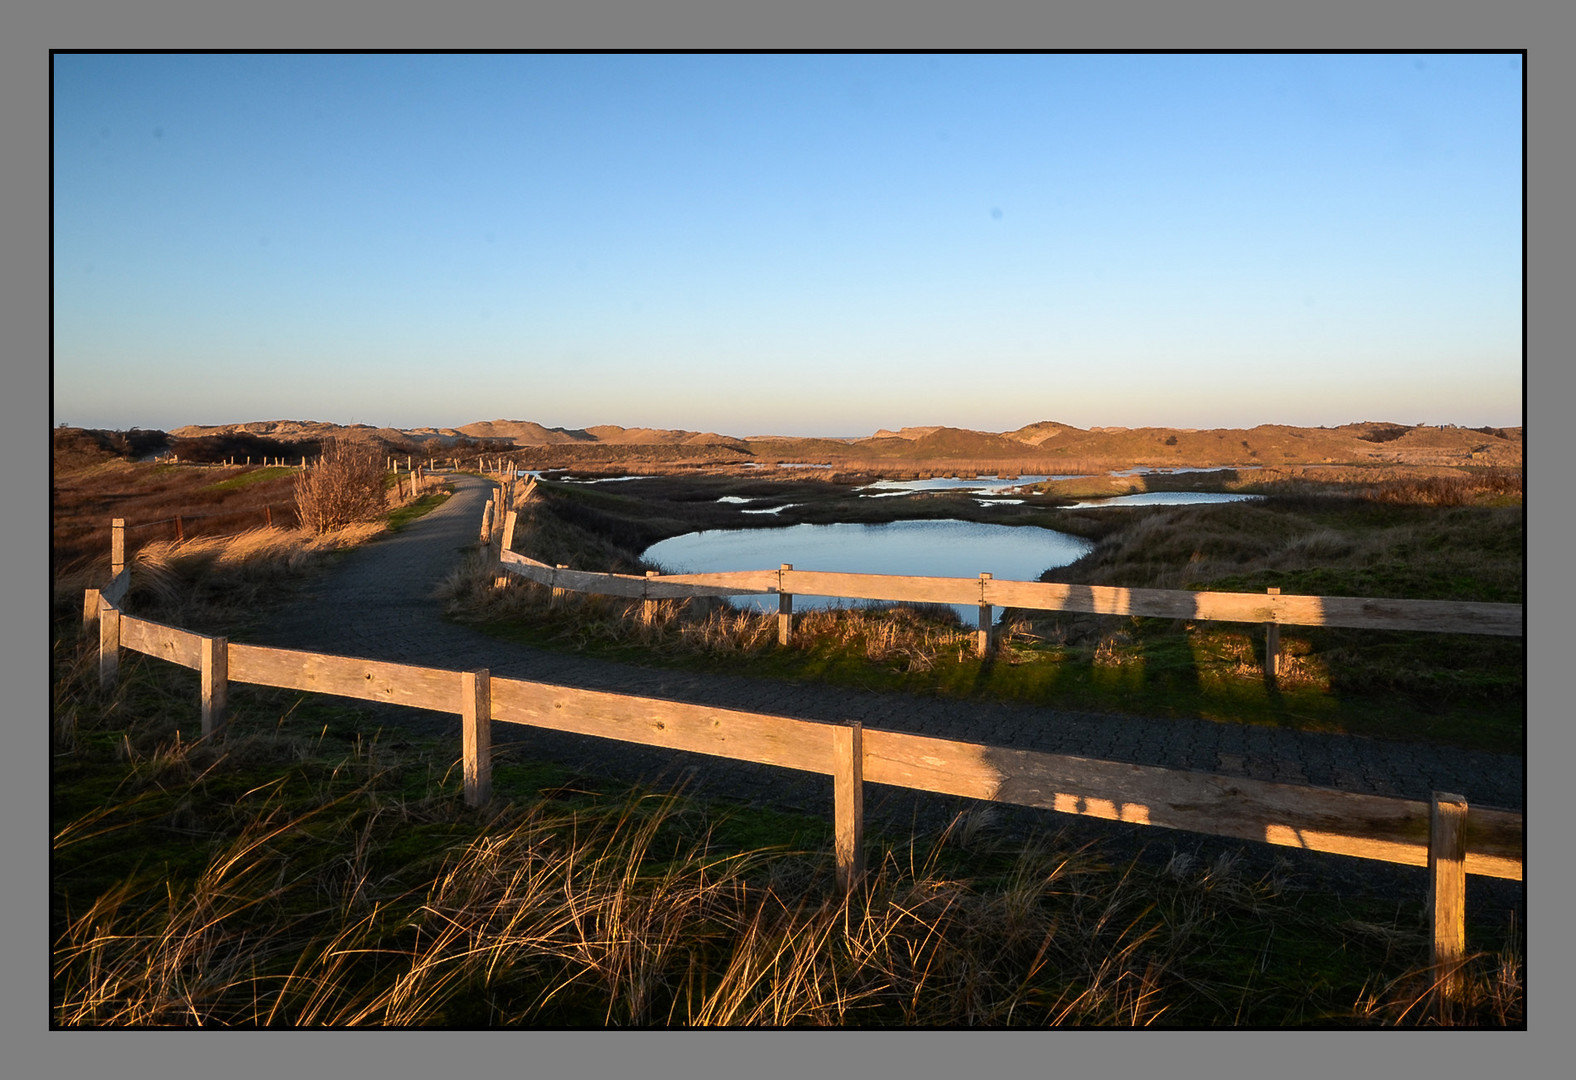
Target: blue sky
788, 244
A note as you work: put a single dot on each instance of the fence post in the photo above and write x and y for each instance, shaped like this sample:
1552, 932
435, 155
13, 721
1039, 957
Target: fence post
1272, 645
784, 608
558, 594
90, 608
505, 543
848, 803
269, 510
476, 734
215, 685
109, 647
1447, 883
180, 533
648, 606
117, 546
487, 516
982, 638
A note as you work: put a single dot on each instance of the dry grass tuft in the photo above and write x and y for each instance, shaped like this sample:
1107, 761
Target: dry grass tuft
345, 486
1491, 994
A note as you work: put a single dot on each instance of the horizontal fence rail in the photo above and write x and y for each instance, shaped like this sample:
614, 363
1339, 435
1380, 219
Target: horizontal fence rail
988, 592
1440, 616
1374, 827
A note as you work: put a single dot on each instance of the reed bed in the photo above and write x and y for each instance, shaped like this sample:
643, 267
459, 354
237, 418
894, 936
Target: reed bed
911, 637
1390, 484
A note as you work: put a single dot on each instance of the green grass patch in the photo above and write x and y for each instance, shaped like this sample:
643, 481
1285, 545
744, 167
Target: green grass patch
401, 517
243, 480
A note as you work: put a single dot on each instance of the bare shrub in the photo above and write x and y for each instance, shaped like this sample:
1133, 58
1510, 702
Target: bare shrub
345, 486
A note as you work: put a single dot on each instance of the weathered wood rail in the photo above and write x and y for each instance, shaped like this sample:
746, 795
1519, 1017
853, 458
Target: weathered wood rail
989, 593
1442, 835
1293, 815
1439, 616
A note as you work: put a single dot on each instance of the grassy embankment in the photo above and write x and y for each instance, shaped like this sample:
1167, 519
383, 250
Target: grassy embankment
1446, 535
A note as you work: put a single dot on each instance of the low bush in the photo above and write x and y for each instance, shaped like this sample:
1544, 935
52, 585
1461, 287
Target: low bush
345, 486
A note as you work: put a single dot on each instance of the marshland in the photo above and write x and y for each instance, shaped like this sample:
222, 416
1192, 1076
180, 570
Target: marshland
319, 867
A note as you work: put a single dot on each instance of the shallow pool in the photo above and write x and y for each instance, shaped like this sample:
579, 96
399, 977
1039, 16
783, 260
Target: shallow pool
1166, 498
962, 549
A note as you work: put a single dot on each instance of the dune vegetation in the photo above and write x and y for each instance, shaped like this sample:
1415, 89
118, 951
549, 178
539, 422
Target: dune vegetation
318, 866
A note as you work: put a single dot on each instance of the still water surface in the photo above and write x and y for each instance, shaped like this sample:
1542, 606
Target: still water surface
1166, 498
918, 548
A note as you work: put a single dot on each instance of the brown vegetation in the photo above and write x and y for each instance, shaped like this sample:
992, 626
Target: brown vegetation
194, 533
1045, 447
345, 486
288, 878
208, 500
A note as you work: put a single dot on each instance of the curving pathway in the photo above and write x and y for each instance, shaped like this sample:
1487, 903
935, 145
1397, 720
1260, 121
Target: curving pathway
378, 603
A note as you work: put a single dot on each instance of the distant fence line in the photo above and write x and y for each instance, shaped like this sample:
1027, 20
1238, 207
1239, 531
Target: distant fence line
1441, 834
415, 477
179, 522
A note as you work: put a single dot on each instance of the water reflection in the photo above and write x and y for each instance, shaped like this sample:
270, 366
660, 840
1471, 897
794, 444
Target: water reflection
984, 484
1166, 470
916, 548
1164, 498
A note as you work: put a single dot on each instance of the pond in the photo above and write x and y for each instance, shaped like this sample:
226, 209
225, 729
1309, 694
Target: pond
987, 485
1165, 498
919, 548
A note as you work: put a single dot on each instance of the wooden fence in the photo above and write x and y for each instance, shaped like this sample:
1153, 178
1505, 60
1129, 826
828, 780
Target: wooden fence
1442, 834
988, 593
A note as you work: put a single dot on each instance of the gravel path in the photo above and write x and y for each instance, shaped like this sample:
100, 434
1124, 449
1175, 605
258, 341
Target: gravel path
378, 603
